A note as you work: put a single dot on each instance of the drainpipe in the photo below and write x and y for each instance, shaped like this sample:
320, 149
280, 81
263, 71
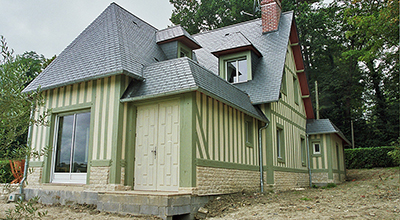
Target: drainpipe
260, 155
308, 161
28, 143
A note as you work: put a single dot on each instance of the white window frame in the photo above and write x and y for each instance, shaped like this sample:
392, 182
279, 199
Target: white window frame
70, 178
319, 147
237, 69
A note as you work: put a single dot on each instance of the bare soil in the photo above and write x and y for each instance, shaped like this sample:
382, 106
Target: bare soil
368, 194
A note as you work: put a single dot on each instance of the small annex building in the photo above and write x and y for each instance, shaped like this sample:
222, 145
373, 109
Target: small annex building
148, 121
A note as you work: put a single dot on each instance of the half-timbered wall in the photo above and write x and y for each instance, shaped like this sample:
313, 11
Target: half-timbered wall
221, 133
289, 115
108, 118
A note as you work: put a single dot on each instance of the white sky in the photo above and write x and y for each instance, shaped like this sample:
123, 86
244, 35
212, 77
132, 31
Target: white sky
49, 26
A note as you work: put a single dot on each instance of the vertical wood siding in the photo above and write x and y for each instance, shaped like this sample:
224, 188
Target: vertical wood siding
291, 115
101, 95
220, 133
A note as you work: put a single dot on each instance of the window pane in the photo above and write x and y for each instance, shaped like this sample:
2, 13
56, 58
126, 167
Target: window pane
316, 148
278, 142
231, 71
81, 143
242, 70
64, 141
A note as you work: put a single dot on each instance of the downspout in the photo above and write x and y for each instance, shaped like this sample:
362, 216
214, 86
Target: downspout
28, 143
308, 161
260, 155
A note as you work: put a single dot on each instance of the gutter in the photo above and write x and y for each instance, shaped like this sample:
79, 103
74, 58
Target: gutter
308, 161
260, 154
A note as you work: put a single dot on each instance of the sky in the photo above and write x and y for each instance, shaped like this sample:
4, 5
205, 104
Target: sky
49, 26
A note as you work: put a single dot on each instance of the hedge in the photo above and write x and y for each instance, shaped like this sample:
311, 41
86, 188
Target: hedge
359, 158
6, 175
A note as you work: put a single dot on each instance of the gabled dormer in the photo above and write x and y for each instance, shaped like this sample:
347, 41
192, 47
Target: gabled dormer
176, 42
236, 55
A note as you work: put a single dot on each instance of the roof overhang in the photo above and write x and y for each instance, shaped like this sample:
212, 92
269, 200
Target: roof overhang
236, 50
183, 39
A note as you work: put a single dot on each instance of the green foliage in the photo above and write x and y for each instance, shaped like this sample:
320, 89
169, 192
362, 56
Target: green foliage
329, 185
359, 158
25, 210
395, 153
349, 46
305, 199
6, 175
15, 74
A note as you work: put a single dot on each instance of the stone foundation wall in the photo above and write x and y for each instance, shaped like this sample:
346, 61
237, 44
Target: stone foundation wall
212, 181
320, 178
290, 180
336, 178
99, 180
34, 177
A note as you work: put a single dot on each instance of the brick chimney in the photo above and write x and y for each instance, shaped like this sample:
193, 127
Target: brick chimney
270, 14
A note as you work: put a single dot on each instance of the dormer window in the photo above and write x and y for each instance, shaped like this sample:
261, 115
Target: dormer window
236, 70
176, 42
236, 55
184, 51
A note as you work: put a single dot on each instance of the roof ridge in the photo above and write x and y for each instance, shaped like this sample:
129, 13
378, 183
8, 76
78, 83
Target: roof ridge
229, 26
173, 26
113, 3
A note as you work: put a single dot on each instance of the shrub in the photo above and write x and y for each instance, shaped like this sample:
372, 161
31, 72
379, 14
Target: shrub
6, 175
369, 157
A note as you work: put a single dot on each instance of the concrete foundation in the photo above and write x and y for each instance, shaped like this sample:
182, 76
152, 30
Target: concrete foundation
162, 204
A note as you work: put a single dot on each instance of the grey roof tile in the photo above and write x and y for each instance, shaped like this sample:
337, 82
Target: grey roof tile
232, 40
183, 74
267, 74
115, 42
324, 126
173, 33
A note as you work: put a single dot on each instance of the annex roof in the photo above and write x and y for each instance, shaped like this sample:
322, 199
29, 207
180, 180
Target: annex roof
267, 74
108, 46
184, 75
176, 33
324, 126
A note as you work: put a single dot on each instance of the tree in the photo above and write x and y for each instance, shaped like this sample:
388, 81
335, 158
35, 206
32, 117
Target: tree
375, 28
15, 74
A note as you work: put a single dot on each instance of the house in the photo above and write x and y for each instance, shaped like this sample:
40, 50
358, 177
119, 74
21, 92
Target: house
149, 121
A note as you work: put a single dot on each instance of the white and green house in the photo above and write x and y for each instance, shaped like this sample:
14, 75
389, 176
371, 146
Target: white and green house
136, 109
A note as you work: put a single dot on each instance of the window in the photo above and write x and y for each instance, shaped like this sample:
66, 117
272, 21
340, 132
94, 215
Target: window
248, 129
71, 148
184, 51
303, 152
296, 90
316, 148
236, 70
280, 144
283, 86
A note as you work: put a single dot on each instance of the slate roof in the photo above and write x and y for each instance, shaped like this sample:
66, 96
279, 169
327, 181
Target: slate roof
175, 32
183, 74
324, 126
267, 74
115, 42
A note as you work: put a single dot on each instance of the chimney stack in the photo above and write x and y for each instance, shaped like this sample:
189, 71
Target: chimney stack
270, 15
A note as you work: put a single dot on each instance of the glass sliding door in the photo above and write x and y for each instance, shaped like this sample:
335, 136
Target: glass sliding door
71, 148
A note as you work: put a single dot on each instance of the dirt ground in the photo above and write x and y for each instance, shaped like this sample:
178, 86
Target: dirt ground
368, 194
